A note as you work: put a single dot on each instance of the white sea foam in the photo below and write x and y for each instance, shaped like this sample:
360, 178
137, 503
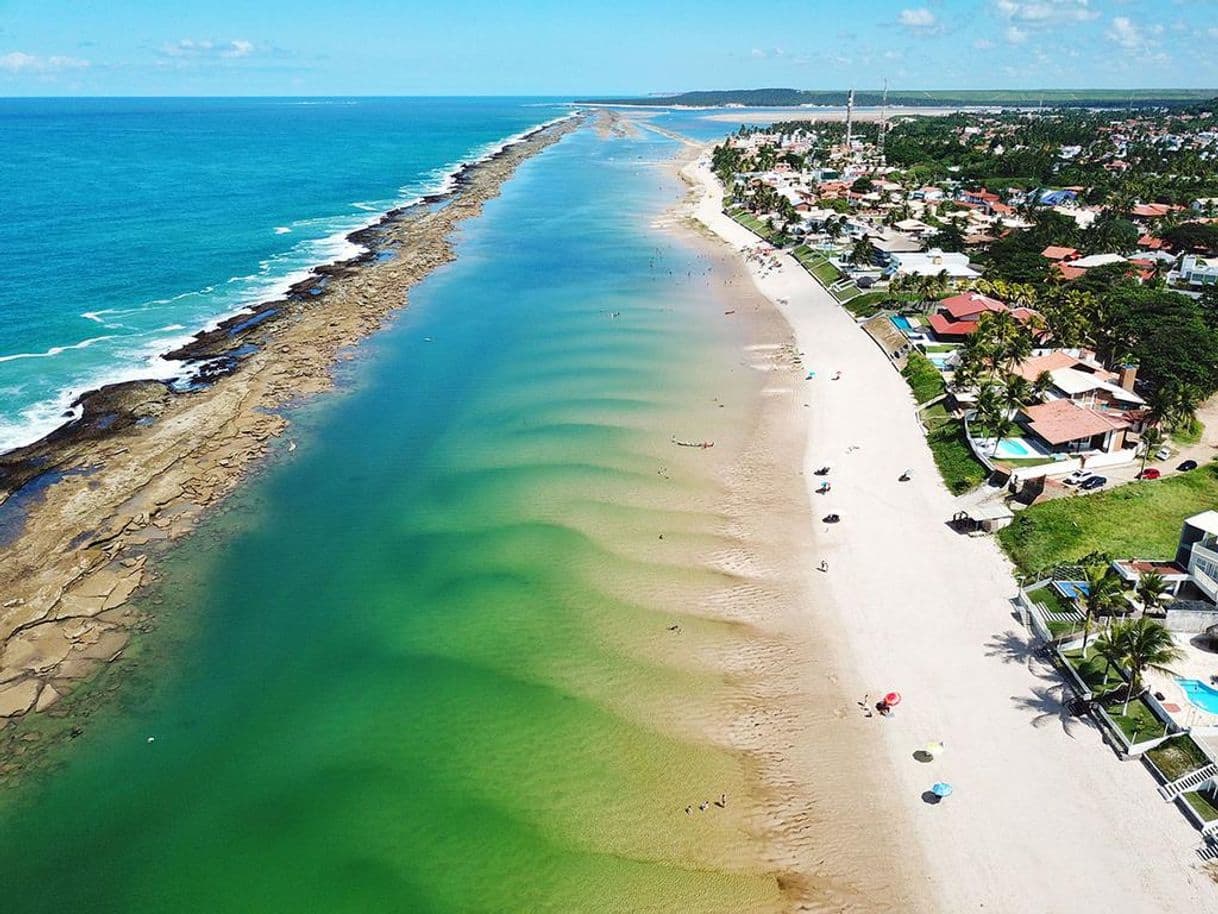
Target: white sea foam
147, 361
55, 350
282, 230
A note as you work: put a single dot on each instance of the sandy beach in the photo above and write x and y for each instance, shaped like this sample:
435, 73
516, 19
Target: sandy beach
1044, 815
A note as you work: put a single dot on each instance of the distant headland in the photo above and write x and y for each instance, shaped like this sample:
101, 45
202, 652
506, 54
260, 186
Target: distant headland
788, 98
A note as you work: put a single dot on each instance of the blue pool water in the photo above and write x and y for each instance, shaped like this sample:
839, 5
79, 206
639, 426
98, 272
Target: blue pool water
1072, 589
1200, 694
901, 322
1014, 447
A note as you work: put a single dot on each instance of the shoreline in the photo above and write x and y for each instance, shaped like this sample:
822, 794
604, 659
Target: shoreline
144, 462
790, 674
916, 608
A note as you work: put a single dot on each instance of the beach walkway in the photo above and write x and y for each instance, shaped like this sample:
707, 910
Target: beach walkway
1044, 817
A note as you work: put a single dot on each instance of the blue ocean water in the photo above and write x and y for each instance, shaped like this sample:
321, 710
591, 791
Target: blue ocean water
130, 224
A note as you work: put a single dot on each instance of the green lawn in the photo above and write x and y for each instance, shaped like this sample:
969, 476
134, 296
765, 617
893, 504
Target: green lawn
1050, 599
1203, 806
923, 377
1091, 671
1138, 519
1177, 757
960, 470
868, 304
1139, 725
754, 225
1190, 434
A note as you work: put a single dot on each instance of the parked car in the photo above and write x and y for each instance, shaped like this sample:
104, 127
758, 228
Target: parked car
1163, 453
1187, 465
1078, 477
1093, 483
1149, 473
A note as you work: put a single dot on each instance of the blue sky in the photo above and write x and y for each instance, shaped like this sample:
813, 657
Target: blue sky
326, 47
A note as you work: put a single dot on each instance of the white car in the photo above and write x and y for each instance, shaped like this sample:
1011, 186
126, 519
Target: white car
1163, 453
1078, 477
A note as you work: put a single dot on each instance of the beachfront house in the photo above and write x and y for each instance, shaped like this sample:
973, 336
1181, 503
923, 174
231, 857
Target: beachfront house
953, 266
1064, 427
1191, 576
956, 318
1076, 375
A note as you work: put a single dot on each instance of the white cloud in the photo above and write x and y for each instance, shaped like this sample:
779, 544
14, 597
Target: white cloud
1042, 14
983, 44
21, 62
1126, 33
191, 49
1015, 35
920, 18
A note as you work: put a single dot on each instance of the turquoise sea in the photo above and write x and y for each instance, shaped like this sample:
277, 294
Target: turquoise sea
423, 662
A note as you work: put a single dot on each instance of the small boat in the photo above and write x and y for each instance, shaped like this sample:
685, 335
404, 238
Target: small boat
698, 444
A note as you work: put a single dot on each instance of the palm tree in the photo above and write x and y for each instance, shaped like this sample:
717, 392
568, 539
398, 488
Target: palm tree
1113, 653
1152, 438
1151, 588
1103, 592
1147, 645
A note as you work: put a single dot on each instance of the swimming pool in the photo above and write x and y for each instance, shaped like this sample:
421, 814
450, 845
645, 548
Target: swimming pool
1014, 448
1072, 589
901, 322
1200, 694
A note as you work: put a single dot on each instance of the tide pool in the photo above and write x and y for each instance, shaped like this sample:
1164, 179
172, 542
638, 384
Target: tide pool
424, 662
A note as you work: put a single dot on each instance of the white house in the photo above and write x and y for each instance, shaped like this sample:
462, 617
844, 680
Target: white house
933, 263
1199, 271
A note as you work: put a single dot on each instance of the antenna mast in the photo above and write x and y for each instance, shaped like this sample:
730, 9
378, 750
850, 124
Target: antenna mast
879, 143
849, 120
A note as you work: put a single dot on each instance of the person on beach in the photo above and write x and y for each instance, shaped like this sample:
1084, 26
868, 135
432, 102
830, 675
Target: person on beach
824, 566
702, 807
723, 801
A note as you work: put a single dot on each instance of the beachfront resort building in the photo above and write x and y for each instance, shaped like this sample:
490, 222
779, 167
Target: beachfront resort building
1191, 577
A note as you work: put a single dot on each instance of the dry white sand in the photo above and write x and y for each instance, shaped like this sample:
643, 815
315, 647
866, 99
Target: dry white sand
1044, 817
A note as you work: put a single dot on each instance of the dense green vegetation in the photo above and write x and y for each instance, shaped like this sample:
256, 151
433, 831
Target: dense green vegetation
960, 469
923, 377
1204, 806
1138, 519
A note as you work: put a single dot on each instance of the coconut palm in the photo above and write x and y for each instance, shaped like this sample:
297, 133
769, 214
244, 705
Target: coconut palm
1151, 588
1102, 593
1152, 438
1113, 653
1147, 645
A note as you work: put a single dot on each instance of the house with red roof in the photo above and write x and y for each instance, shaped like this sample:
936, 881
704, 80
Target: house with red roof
1065, 427
1152, 210
957, 317
1058, 254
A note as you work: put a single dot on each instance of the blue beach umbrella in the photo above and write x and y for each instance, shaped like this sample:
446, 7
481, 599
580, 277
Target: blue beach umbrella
942, 789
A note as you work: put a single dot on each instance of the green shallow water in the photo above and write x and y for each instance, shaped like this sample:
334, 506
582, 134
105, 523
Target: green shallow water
412, 666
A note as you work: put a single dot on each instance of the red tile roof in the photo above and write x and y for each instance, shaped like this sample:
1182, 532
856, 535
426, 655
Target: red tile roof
1055, 252
945, 326
1067, 272
970, 304
1062, 421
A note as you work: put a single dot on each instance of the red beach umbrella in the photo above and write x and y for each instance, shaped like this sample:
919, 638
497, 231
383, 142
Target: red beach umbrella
892, 699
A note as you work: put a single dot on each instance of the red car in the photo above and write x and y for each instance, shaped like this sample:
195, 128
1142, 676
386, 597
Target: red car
1149, 473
